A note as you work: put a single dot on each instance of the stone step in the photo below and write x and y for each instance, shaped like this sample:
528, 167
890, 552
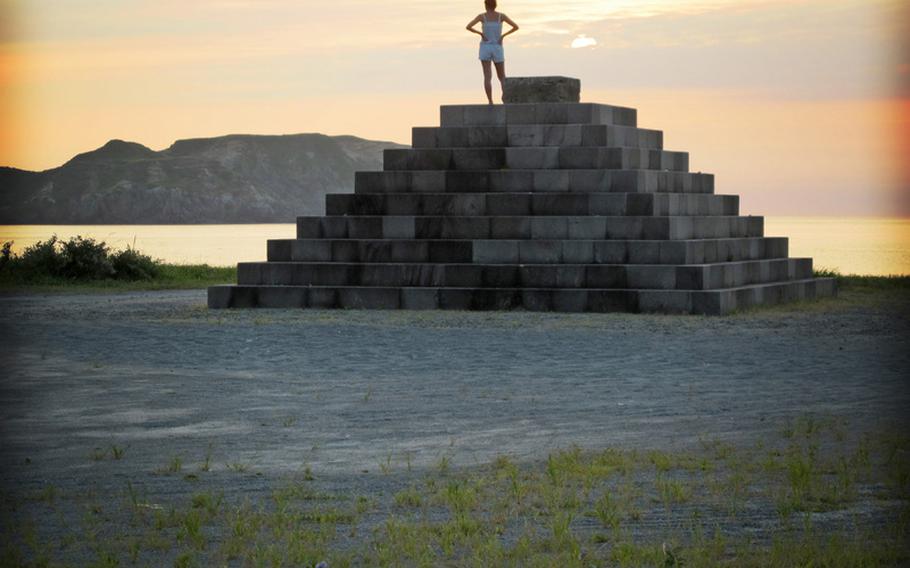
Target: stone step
523, 227
543, 157
527, 251
520, 135
536, 113
641, 276
543, 204
572, 180
710, 302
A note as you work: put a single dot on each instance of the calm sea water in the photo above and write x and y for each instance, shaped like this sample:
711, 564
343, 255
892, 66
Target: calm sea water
852, 245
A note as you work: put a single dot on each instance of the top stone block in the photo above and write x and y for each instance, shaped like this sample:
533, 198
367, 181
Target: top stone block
541, 90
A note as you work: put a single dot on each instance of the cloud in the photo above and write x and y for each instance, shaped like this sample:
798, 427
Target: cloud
583, 41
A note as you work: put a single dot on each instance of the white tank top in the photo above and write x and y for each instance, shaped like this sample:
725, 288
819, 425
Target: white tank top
492, 30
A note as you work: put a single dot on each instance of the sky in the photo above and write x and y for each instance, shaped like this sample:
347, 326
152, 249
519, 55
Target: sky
802, 107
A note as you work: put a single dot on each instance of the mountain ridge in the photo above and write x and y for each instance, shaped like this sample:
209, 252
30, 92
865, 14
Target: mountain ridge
234, 178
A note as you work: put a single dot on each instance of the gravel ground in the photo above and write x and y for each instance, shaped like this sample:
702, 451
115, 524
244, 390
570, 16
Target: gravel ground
344, 392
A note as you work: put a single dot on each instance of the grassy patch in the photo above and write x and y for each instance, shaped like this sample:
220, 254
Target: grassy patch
826, 496
86, 265
170, 277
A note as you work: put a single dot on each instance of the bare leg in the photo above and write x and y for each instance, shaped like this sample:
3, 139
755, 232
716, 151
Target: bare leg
501, 73
488, 80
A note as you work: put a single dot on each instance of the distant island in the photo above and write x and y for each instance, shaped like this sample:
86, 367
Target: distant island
229, 179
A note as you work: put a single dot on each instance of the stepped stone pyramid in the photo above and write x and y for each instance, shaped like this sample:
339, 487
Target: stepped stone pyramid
542, 203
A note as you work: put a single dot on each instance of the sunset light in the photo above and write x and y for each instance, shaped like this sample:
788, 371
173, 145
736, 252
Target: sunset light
75, 75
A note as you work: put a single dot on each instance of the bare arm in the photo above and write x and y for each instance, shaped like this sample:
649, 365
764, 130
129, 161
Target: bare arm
509, 21
474, 22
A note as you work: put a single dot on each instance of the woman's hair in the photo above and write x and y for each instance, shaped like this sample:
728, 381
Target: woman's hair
490, 4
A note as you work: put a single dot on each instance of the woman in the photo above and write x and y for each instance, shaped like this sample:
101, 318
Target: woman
491, 44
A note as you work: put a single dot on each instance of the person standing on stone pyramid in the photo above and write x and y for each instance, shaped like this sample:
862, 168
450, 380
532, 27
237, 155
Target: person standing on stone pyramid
491, 51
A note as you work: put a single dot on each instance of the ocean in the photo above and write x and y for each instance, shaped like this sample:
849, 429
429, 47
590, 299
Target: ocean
850, 245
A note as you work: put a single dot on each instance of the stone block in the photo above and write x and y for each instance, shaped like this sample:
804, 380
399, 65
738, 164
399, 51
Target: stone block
486, 136
608, 204
278, 249
282, 297
604, 301
477, 159
579, 157
311, 250
651, 276
423, 182
643, 252
512, 181
450, 251
553, 89
549, 204
570, 300
552, 113
250, 272
537, 276
540, 251
665, 301
514, 204
532, 158
578, 252
549, 228
451, 115
219, 297
537, 300
455, 299
495, 251
589, 180
551, 181
419, 298
322, 298
369, 298
605, 276
309, 227
525, 135
591, 228
674, 252
500, 276
461, 227
450, 137
510, 228
496, 299
521, 114
610, 252
423, 137
561, 134
466, 181
484, 115
345, 251
244, 297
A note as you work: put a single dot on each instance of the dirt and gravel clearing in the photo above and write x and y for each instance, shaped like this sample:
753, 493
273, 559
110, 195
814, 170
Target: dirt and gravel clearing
363, 400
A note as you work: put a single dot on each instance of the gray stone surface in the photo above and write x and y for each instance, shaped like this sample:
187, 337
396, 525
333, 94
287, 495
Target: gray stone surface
541, 90
544, 203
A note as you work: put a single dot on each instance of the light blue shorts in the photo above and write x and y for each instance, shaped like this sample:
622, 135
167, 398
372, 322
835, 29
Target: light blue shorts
492, 52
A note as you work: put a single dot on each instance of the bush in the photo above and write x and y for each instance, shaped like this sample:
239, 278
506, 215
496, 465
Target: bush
40, 259
85, 259
79, 259
6, 255
131, 264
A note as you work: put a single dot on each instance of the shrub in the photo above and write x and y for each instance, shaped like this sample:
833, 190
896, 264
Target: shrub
6, 255
82, 259
130, 264
40, 260
85, 259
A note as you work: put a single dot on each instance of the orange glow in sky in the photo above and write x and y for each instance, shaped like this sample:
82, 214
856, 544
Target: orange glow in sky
800, 106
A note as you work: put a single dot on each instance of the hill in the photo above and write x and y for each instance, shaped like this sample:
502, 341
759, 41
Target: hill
228, 179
